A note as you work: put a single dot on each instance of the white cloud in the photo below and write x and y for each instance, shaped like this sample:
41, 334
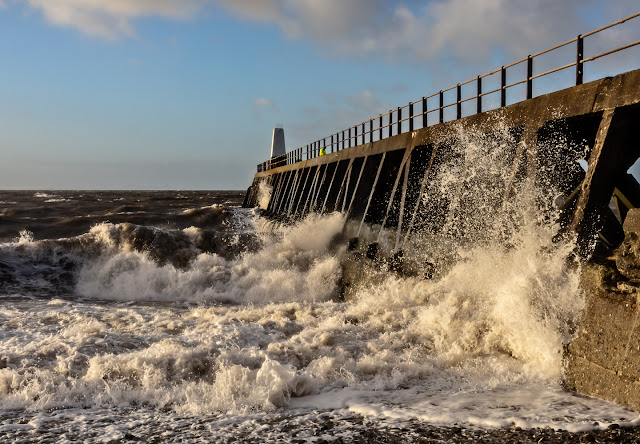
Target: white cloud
113, 18
262, 102
415, 30
402, 30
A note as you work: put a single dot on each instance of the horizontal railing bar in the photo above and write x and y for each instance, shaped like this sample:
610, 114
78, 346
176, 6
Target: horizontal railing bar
515, 83
495, 71
514, 63
555, 47
449, 89
554, 70
468, 81
611, 52
491, 92
595, 31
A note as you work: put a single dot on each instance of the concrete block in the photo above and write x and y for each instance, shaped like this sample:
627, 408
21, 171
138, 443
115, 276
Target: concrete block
604, 358
607, 321
628, 254
630, 366
593, 380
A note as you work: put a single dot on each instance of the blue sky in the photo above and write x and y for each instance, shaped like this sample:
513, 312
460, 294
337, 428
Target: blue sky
183, 94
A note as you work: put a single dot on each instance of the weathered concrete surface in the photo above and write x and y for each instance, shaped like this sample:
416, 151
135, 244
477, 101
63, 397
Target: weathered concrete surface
628, 254
604, 359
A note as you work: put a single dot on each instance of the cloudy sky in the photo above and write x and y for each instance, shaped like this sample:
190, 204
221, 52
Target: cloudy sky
183, 94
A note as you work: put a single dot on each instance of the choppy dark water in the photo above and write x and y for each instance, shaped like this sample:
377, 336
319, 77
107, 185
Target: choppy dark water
181, 317
57, 214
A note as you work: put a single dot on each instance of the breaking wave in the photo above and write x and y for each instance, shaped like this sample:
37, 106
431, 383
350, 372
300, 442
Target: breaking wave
249, 318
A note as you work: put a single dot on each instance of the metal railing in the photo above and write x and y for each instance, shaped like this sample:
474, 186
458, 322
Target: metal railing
374, 129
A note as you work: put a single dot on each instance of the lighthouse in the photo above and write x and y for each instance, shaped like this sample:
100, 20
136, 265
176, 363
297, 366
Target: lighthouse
277, 142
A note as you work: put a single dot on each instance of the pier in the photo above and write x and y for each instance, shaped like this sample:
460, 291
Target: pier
378, 173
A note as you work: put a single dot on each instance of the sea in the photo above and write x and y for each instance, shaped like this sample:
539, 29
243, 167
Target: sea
179, 316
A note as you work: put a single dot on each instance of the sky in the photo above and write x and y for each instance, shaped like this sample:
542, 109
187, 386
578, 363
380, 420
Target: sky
184, 94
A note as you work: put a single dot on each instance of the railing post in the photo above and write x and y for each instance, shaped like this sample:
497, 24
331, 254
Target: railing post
441, 107
411, 117
479, 96
459, 101
399, 125
424, 112
380, 128
363, 137
529, 75
579, 57
503, 90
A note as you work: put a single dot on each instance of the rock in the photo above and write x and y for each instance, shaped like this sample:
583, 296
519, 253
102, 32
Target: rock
628, 254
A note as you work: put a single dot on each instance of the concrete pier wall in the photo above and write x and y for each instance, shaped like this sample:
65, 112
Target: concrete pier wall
380, 182
384, 186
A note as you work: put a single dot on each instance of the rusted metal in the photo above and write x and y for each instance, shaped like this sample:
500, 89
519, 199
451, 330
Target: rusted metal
503, 89
459, 102
479, 96
529, 75
579, 63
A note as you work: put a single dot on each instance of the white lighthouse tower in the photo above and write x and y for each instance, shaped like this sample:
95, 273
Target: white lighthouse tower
277, 142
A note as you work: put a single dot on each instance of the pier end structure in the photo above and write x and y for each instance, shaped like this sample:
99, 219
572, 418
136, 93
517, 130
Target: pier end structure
277, 142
